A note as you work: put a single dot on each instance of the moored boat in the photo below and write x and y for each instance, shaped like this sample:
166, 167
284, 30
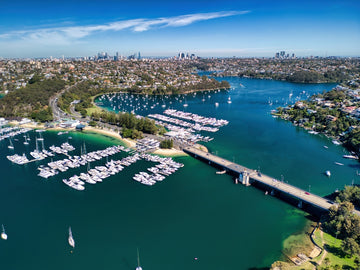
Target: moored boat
350, 157
71, 238
3, 233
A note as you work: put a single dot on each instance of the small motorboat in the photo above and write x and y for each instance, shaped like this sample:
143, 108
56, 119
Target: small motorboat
3, 233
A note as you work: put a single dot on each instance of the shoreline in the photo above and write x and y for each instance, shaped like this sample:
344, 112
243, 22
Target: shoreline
273, 79
128, 142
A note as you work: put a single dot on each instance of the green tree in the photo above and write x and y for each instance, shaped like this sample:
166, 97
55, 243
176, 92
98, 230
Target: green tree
167, 144
92, 123
350, 246
35, 78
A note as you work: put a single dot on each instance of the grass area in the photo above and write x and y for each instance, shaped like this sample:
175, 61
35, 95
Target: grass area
317, 238
334, 259
335, 254
89, 111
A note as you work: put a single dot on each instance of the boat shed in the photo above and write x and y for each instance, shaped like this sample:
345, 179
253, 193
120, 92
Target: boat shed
80, 127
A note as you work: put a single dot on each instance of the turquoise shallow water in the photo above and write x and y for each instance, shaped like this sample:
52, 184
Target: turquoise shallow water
193, 213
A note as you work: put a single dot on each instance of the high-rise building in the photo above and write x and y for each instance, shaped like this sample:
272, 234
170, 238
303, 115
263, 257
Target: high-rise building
132, 57
116, 57
181, 56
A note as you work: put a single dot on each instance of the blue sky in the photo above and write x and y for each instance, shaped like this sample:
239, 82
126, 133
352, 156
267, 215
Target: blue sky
163, 28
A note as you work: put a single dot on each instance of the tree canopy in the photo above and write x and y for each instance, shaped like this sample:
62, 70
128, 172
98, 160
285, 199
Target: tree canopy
31, 101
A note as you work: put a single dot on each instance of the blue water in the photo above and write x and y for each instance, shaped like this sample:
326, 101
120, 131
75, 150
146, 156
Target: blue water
193, 213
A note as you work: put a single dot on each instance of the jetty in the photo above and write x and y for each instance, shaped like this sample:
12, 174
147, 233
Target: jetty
302, 198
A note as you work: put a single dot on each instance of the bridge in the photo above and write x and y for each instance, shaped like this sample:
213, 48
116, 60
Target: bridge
248, 176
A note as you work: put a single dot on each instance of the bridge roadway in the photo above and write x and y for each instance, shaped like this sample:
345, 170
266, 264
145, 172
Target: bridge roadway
271, 182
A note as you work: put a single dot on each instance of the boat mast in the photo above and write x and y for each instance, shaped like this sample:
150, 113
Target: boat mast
37, 146
138, 257
42, 143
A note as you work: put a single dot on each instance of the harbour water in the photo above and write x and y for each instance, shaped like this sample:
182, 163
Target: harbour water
193, 213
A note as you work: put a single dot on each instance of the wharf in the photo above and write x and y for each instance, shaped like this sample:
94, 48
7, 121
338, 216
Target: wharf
247, 176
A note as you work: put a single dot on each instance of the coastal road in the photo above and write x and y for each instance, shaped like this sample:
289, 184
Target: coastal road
57, 112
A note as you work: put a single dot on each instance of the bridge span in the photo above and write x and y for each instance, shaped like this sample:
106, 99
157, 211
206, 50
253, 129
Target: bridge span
248, 176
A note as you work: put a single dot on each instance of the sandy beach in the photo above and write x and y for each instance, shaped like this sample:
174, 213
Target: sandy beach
131, 143
28, 125
169, 152
128, 142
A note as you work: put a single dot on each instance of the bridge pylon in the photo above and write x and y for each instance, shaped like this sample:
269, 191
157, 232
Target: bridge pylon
244, 178
300, 204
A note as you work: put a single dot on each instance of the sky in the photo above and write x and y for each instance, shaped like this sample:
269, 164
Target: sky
221, 28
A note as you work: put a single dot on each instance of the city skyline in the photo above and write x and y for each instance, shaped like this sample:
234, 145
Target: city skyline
205, 28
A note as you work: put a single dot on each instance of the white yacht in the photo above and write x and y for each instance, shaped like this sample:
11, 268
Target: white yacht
11, 146
350, 157
328, 173
3, 234
71, 239
336, 142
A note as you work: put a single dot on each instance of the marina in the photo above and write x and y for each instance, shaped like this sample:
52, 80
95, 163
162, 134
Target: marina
40, 155
184, 208
165, 168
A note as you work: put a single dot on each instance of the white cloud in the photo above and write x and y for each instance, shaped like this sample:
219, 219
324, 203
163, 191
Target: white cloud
72, 33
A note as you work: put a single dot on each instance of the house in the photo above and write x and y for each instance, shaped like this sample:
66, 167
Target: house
331, 118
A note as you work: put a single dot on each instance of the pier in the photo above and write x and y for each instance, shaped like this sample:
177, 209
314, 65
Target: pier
248, 177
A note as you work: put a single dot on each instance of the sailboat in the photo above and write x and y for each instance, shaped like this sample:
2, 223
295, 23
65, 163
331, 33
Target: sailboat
11, 146
138, 261
3, 234
71, 239
229, 100
40, 138
25, 140
185, 104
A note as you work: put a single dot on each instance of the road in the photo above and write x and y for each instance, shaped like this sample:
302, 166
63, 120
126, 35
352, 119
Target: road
57, 112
